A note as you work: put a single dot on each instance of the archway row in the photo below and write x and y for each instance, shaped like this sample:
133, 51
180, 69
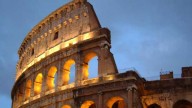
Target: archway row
116, 102
67, 75
51, 78
113, 102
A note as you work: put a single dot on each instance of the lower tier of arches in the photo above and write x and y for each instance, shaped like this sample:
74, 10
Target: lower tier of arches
108, 95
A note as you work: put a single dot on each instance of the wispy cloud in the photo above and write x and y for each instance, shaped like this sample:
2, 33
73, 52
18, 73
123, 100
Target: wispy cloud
148, 35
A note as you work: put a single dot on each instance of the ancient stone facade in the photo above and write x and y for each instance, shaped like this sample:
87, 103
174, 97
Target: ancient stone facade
72, 35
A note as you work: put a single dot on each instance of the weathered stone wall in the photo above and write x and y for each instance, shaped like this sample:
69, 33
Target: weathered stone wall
73, 35
166, 93
69, 21
101, 91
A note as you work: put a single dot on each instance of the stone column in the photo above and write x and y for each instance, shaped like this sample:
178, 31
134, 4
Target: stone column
59, 76
23, 93
32, 86
78, 69
106, 61
44, 87
130, 97
24, 89
100, 104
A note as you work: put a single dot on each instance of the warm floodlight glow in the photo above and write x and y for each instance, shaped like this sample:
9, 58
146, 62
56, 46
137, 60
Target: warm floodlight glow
85, 71
116, 102
90, 81
88, 104
110, 77
60, 46
86, 36
54, 49
30, 64
20, 95
28, 89
87, 58
66, 106
27, 101
36, 97
50, 91
41, 57
71, 85
51, 78
38, 84
66, 71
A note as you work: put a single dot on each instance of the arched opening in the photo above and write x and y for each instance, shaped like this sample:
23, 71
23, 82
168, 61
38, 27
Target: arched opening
93, 68
154, 106
72, 74
28, 89
38, 84
182, 104
88, 104
51, 78
20, 95
90, 59
68, 74
66, 106
116, 102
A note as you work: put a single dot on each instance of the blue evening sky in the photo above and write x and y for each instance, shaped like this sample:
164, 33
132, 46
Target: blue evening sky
149, 35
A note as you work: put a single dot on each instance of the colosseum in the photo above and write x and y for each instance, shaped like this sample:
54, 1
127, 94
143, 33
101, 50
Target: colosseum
72, 35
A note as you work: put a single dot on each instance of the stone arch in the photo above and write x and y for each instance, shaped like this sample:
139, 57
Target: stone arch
28, 89
88, 104
182, 104
66, 71
20, 94
66, 106
154, 106
38, 84
87, 58
51, 77
116, 102
18, 97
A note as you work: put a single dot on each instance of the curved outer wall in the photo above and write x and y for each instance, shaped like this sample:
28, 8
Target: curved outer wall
72, 35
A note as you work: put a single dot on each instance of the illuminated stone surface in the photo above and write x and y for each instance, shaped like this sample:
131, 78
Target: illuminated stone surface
72, 35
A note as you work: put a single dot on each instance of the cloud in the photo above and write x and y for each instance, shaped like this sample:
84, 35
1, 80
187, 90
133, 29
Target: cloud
165, 49
148, 35
153, 37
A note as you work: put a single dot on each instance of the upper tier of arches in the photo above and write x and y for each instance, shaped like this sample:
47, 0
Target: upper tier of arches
64, 27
